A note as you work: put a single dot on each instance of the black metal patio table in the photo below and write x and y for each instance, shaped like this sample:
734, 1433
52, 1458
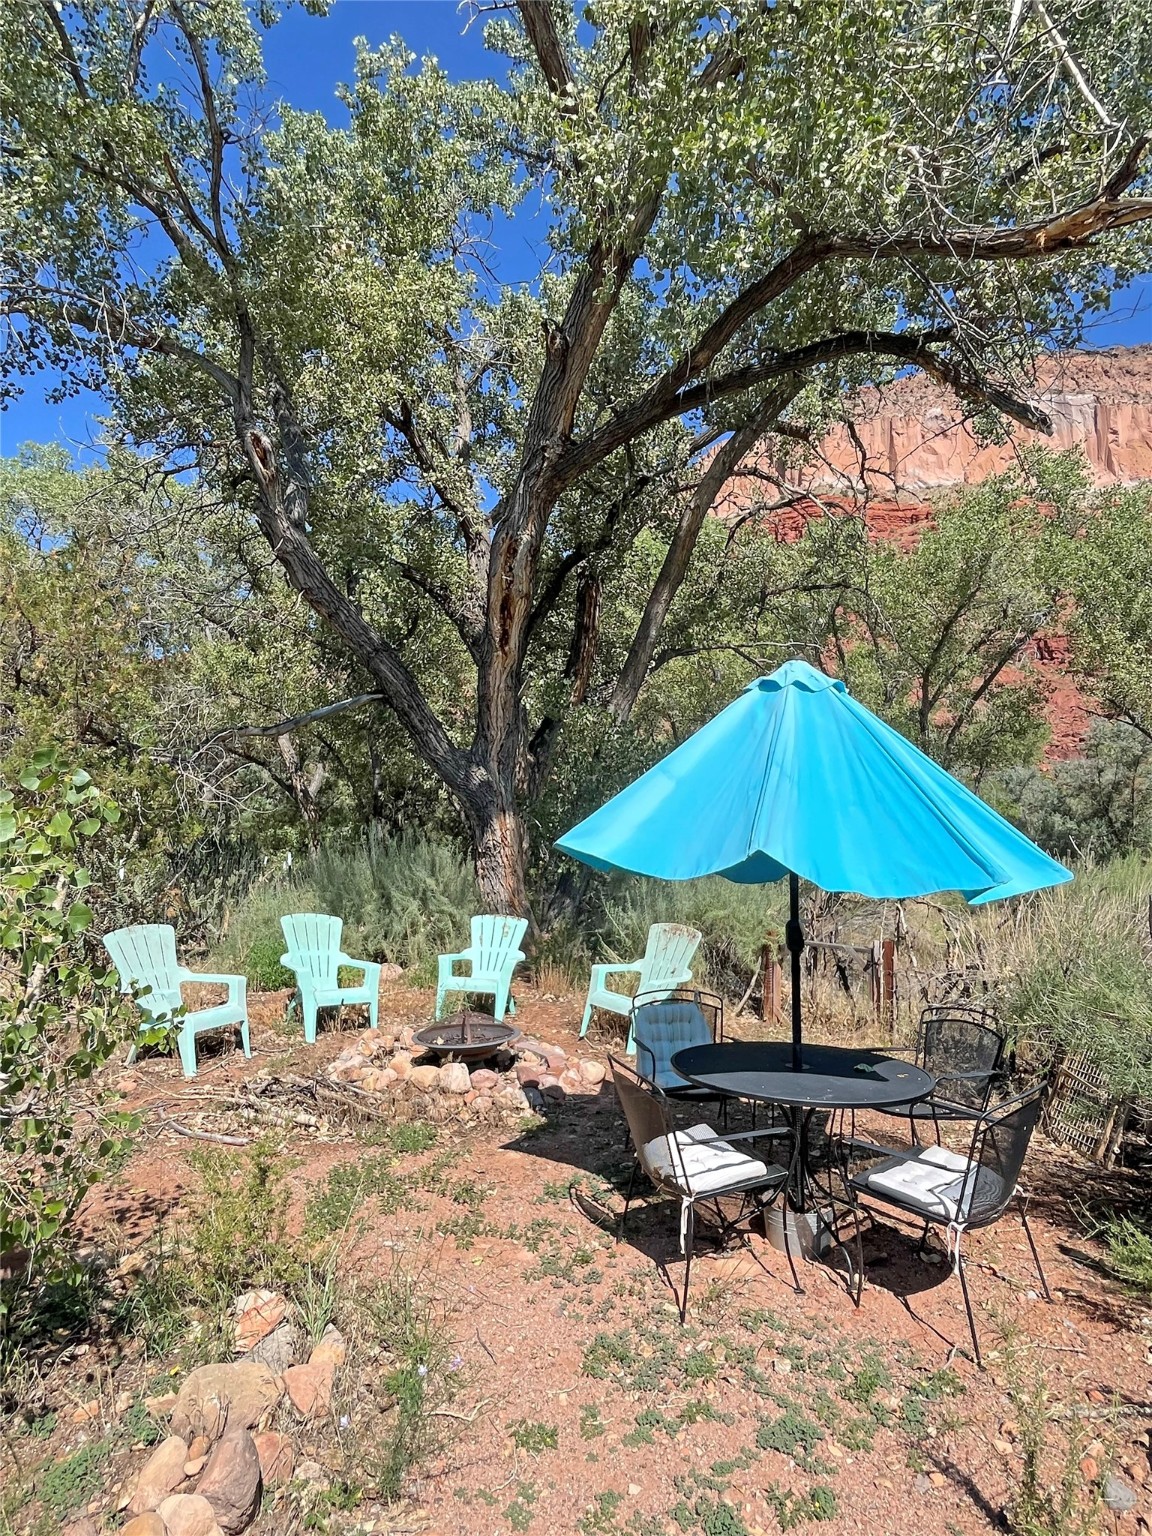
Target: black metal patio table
831, 1077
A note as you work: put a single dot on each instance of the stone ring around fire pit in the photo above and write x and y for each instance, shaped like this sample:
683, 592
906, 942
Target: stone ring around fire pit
465, 1037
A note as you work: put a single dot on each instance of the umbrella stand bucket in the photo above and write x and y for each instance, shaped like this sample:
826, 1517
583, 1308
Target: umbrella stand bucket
807, 1233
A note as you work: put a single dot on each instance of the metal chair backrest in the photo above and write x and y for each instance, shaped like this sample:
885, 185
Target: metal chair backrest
313, 940
663, 1024
1000, 1142
145, 960
960, 1040
649, 1123
495, 940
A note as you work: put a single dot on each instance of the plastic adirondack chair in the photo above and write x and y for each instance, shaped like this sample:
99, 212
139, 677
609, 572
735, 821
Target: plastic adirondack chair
145, 959
492, 955
663, 967
314, 954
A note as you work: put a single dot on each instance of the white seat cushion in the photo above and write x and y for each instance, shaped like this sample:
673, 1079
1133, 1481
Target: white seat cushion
707, 1169
662, 1029
933, 1181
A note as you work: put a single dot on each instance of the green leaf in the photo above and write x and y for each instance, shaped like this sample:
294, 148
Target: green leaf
79, 916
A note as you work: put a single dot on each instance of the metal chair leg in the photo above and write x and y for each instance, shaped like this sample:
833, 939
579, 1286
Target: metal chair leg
968, 1308
1035, 1251
627, 1203
689, 1244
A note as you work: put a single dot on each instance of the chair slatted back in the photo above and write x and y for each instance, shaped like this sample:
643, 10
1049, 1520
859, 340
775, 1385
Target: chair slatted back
145, 960
663, 1025
314, 942
667, 956
494, 941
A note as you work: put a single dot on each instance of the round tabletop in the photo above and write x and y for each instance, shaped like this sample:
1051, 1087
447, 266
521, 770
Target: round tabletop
832, 1077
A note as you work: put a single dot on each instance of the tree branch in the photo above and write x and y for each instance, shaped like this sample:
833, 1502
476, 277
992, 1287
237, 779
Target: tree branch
540, 26
295, 722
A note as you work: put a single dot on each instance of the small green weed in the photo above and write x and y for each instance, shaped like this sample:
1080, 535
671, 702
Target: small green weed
66, 1485
592, 1426
600, 1516
519, 1513
534, 1438
793, 1509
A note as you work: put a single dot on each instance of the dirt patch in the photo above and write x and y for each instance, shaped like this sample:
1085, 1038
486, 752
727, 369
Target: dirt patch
579, 1405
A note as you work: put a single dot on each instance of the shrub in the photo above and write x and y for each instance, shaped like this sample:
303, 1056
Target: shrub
1098, 805
405, 899
61, 1018
1075, 973
263, 969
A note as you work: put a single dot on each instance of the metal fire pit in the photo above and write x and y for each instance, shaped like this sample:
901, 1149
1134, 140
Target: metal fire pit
466, 1036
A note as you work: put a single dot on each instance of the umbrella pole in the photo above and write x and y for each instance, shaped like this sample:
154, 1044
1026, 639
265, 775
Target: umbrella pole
794, 938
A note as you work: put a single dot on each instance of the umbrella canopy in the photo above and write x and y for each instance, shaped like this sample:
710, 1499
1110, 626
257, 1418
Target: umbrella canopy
797, 777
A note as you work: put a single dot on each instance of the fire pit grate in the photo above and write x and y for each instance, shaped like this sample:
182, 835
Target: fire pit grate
466, 1036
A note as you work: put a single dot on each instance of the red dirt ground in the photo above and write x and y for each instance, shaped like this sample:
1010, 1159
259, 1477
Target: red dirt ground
524, 1316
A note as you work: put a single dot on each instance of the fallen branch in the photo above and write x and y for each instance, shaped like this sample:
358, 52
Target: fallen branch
465, 1418
226, 1141
294, 722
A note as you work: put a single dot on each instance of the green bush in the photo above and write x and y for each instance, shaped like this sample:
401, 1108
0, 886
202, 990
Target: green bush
1075, 974
263, 969
1098, 805
61, 1019
405, 899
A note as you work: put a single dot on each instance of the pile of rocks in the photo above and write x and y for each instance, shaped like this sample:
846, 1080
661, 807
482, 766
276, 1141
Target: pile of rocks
208, 1477
525, 1076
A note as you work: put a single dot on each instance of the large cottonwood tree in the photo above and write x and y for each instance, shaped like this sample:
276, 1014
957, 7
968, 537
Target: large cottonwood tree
747, 208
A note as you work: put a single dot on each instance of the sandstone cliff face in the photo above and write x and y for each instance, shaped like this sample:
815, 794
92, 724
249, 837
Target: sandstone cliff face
915, 439
912, 439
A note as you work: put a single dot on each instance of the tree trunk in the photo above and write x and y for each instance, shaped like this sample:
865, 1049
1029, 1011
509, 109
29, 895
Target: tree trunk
501, 846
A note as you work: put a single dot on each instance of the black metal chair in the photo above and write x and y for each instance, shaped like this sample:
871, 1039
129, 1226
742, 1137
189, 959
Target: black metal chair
664, 1023
938, 1186
696, 1165
960, 1046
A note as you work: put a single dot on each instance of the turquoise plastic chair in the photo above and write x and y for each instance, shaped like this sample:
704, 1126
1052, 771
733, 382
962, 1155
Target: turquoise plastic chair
664, 966
493, 955
145, 960
314, 954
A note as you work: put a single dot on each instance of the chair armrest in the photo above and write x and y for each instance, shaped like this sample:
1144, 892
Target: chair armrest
766, 1134
214, 978
968, 1077
518, 956
445, 966
612, 970
874, 1148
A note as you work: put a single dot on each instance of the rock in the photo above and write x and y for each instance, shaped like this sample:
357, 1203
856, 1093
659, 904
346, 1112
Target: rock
483, 1107
593, 1073
937, 1479
533, 1098
921, 1483
257, 1314
87, 1412
160, 1475
280, 1349
232, 1481
370, 1042
277, 1457
554, 1055
529, 1072
385, 1079
160, 1407
571, 1080
310, 1472
425, 1078
1118, 1496
484, 1079
84, 1527
149, 1524
131, 1264
213, 1396
188, 1514
1089, 1469
454, 1078
401, 1064
331, 1349
309, 1389
195, 1465
390, 971
551, 1088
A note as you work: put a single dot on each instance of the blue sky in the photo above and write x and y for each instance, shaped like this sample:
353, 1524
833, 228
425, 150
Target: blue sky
307, 57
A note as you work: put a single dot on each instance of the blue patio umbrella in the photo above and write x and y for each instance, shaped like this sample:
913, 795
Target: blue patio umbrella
797, 778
